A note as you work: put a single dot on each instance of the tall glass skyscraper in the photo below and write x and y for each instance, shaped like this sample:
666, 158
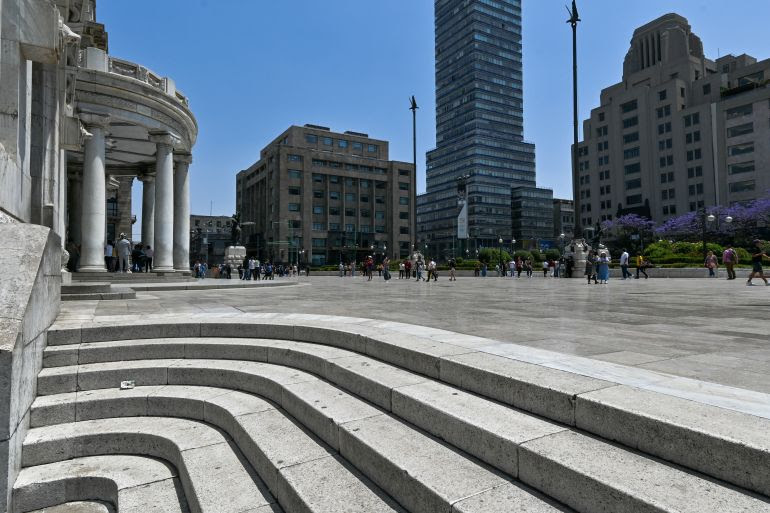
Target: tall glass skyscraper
479, 125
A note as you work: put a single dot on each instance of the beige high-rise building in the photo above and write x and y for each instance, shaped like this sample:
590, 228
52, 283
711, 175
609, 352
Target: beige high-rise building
320, 197
680, 131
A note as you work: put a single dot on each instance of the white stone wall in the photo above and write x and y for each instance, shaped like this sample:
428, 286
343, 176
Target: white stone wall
29, 303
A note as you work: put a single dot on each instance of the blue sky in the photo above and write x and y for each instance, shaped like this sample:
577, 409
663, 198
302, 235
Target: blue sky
251, 68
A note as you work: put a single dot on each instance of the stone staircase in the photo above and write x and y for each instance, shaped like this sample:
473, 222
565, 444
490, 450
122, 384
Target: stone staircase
318, 415
128, 278
82, 291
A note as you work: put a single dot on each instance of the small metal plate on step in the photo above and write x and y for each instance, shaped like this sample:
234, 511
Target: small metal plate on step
127, 385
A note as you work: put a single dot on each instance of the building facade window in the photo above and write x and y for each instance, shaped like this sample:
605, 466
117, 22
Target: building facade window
740, 111
737, 131
745, 186
294, 158
632, 168
628, 106
743, 167
740, 149
636, 183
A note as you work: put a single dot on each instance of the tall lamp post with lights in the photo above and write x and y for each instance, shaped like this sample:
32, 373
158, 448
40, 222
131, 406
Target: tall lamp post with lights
500, 261
706, 220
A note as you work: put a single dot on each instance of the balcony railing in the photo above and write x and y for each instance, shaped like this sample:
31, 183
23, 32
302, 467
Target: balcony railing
138, 72
96, 59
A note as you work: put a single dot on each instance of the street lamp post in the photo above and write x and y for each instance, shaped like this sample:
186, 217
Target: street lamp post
500, 262
573, 20
710, 218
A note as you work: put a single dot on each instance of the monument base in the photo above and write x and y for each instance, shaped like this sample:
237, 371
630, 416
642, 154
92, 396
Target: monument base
234, 255
578, 250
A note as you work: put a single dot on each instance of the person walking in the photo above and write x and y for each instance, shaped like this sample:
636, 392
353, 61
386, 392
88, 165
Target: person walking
519, 266
124, 252
401, 268
640, 266
711, 264
590, 271
477, 270
624, 264
418, 269
756, 262
603, 268
545, 268
729, 259
452, 269
408, 269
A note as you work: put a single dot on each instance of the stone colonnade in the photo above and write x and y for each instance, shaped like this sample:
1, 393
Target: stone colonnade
165, 201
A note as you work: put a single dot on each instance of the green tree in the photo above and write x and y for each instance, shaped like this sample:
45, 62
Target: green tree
491, 256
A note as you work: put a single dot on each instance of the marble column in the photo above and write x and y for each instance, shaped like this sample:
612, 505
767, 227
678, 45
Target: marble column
182, 163
163, 259
75, 207
148, 209
93, 223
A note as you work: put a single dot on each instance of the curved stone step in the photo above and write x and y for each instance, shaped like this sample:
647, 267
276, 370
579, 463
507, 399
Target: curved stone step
302, 472
456, 416
727, 445
134, 484
213, 476
78, 507
305, 478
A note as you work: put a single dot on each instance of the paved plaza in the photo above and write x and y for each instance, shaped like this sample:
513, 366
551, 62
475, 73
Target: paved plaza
710, 330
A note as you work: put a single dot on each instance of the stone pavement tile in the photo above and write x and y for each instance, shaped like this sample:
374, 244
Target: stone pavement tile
731, 376
730, 398
627, 357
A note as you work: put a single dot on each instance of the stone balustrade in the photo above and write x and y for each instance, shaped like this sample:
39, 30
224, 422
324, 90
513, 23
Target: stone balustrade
94, 58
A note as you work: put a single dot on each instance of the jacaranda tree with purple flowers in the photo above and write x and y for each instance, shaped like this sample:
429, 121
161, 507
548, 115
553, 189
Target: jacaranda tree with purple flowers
627, 225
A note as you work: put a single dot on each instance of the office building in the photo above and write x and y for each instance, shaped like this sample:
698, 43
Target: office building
679, 133
563, 218
532, 217
480, 149
320, 197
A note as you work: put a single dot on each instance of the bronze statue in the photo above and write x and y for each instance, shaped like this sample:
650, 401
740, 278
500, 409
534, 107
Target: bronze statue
235, 230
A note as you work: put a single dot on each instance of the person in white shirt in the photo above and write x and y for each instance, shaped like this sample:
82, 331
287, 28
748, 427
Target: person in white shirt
124, 252
624, 264
108, 256
545, 268
251, 269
